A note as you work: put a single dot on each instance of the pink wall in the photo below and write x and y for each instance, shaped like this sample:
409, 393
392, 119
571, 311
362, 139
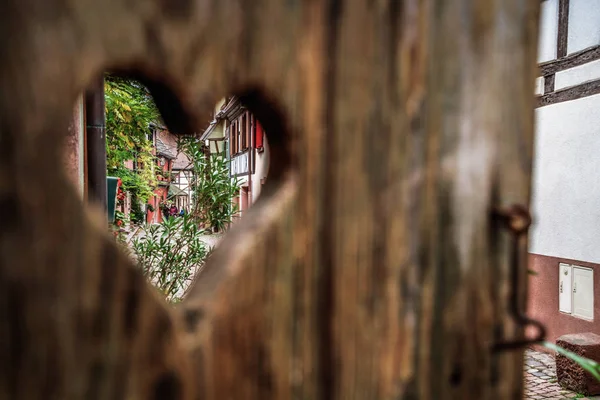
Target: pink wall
73, 160
160, 195
543, 298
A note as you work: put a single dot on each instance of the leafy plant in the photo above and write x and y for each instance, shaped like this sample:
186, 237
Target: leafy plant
136, 213
130, 111
170, 254
120, 218
212, 189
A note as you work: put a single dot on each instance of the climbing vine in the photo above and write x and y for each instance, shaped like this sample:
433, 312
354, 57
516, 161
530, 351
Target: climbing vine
130, 111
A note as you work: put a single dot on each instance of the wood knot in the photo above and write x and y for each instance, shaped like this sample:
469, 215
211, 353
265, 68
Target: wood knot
192, 317
516, 218
177, 9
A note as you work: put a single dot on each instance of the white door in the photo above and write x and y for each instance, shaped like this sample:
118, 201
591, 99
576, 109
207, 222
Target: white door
583, 292
565, 295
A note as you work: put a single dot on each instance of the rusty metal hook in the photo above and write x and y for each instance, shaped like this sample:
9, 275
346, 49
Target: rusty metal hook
517, 220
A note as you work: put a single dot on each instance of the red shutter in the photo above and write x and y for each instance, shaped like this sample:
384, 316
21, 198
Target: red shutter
248, 129
258, 139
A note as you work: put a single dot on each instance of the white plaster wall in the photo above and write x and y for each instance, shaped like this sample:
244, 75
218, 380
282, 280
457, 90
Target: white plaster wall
218, 132
548, 30
184, 184
566, 181
242, 180
261, 169
577, 75
539, 85
584, 24
219, 104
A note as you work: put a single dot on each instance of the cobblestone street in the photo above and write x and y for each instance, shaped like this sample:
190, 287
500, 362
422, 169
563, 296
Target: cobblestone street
540, 379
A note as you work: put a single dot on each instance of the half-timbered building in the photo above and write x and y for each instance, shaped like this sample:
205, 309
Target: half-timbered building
565, 240
236, 128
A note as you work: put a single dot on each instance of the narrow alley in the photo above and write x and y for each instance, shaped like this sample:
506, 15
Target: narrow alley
540, 379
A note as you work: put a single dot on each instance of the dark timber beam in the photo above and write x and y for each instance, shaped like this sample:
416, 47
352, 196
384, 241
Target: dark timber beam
548, 83
573, 60
571, 93
96, 143
563, 28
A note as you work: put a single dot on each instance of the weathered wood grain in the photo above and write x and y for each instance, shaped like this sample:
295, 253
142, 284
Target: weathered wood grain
371, 267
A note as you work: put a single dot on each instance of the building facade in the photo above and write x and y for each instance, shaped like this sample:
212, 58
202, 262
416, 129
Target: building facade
565, 236
174, 178
181, 184
235, 132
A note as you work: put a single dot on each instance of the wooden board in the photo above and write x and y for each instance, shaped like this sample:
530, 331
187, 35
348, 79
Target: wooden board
369, 269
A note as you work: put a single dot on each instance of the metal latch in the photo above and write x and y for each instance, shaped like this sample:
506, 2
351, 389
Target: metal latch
516, 220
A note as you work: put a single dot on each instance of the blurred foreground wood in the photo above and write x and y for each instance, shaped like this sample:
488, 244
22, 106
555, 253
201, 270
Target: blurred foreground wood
370, 269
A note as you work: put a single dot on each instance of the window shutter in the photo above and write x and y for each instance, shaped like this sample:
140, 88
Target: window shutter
258, 135
238, 146
230, 136
248, 129
243, 132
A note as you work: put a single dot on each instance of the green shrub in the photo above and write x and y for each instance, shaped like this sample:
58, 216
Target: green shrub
212, 188
170, 254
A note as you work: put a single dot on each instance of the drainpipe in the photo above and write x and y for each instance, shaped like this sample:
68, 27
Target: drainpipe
96, 143
249, 127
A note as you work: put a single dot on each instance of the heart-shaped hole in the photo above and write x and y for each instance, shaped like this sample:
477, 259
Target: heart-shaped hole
182, 183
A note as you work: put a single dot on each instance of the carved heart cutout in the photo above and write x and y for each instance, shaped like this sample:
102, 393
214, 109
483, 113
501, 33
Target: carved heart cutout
368, 268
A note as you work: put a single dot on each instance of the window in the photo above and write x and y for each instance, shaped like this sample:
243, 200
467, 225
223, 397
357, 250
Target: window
233, 138
239, 136
243, 132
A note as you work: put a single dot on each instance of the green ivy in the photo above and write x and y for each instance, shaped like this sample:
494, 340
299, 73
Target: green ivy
130, 111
